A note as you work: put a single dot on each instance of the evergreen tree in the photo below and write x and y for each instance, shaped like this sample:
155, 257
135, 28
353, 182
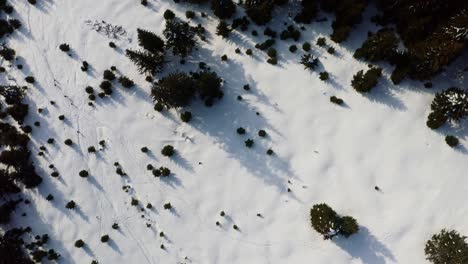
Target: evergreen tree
180, 36
146, 62
451, 104
174, 90
259, 11
150, 41
223, 8
447, 247
308, 13
364, 82
324, 220
223, 29
380, 46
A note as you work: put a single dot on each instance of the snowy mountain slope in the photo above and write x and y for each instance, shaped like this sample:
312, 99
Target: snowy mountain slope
327, 153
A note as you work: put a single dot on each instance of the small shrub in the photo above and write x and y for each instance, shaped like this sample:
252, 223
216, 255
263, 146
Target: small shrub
336, 100
104, 238
144, 149
224, 57
68, 142
83, 174
186, 116
324, 76
452, 141
306, 46
249, 143
269, 152
167, 206
126, 82
70, 205
89, 90
331, 50
248, 52
30, 79
190, 14
64, 47
109, 75
292, 48
240, 131
79, 243
262, 133
168, 14
167, 151
321, 42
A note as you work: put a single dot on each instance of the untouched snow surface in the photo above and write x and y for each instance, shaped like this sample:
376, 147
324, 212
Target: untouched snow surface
328, 153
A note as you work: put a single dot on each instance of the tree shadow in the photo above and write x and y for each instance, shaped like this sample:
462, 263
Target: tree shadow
365, 247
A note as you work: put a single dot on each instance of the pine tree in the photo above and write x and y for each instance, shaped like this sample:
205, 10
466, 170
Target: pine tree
148, 63
180, 36
324, 220
174, 90
223, 29
223, 8
447, 247
150, 41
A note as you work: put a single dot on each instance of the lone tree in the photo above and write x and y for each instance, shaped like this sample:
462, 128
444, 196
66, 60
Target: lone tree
150, 41
209, 86
223, 8
328, 223
364, 82
174, 90
447, 247
180, 36
147, 62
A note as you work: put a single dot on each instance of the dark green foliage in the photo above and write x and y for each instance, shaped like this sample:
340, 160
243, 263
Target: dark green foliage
269, 32
190, 14
174, 90
452, 141
336, 100
12, 94
306, 46
167, 206
8, 207
168, 151
168, 14
64, 47
224, 57
331, 50
70, 205
30, 79
223, 29
324, 76
308, 13
240, 131
144, 149
209, 85
248, 52
262, 133
11, 247
266, 44
146, 62
18, 111
447, 246
328, 223
269, 152
380, 46
150, 41
180, 36
15, 23
242, 22
186, 116
7, 53
68, 142
321, 42
293, 48
249, 143
89, 90
79, 243
364, 82
309, 62
83, 174
105, 238
259, 11
126, 82
109, 75
347, 13
223, 8
290, 33
134, 201
449, 105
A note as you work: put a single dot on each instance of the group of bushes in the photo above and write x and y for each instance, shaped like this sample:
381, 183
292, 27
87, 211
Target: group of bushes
449, 105
364, 82
329, 224
177, 89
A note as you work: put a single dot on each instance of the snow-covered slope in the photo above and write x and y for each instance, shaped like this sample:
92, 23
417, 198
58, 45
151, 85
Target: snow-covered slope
323, 152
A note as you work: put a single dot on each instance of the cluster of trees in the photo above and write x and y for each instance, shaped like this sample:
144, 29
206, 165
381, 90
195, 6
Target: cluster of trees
178, 89
449, 105
434, 33
329, 224
447, 246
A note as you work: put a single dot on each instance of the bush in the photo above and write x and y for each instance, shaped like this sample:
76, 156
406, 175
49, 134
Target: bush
174, 90
190, 14
328, 223
364, 82
186, 116
104, 238
144, 149
290, 33
308, 13
306, 46
89, 90
309, 62
348, 226
248, 52
249, 143
331, 50
150, 41
30, 79
168, 14
126, 82
167, 151
109, 75
79, 243
180, 36
262, 133
106, 86
8, 54
83, 174
242, 22
452, 141
324, 76
167, 206
70, 205
68, 142
292, 48
269, 32
321, 42
447, 247
336, 100
240, 131
380, 46
64, 47
266, 44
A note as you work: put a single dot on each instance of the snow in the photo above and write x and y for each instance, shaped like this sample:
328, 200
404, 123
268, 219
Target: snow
329, 153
